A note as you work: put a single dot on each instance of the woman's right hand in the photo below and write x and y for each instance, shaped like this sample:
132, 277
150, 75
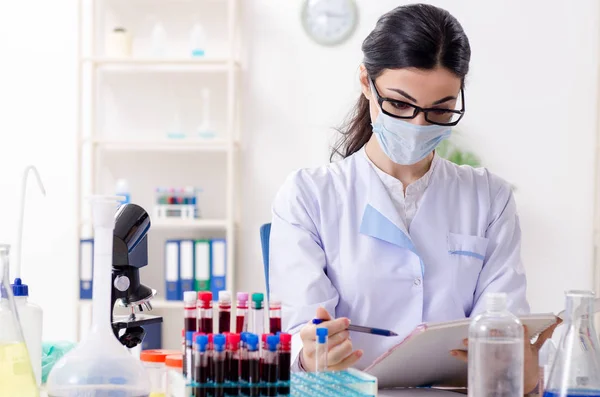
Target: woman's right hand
341, 355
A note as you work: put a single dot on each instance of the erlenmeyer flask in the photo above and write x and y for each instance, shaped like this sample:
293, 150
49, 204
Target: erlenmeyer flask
16, 372
576, 368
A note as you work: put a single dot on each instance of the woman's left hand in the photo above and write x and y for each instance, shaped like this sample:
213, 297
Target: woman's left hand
531, 365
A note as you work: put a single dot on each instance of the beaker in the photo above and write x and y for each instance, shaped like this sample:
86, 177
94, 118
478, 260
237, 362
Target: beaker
16, 372
100, 365
576, 368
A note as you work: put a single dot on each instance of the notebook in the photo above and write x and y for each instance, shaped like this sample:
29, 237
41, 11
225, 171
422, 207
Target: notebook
423, 358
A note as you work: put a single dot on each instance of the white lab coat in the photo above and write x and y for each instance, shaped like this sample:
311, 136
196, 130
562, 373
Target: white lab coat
338, 242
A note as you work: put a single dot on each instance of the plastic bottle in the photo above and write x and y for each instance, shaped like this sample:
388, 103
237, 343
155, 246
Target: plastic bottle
159, 40
122, 189
576, 368
496, 354
197, 40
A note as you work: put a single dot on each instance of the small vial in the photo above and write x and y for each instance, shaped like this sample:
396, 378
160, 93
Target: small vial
257, 314
189, 311
321, 350
233, 362
285, 363
210, 357
244, 364
224, 312
188, 368
253, 364
205, 312
219, 356
263, 374
200, 365
241, 323
270, 366
274, 315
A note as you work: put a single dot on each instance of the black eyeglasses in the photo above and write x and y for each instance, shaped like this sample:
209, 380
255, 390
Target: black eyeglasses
404, 110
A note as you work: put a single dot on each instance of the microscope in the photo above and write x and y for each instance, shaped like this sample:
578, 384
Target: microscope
130, 253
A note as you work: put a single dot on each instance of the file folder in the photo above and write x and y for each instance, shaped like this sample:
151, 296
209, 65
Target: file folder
86, 266
172, 270
202, 265
218, 253
186, 260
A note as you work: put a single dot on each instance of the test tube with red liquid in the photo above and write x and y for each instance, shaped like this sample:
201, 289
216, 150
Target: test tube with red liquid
253, 364
219, 355
244, 364
270, 366
263, 351
209, 358
200, 365
274, 315
285, 362
241, 313
190, 311
205, 312
233, 362
224, 309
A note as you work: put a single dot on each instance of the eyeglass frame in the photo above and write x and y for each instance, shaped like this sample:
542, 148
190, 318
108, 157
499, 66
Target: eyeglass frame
418, 109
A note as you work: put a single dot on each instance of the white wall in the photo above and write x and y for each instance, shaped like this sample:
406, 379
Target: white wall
531, 100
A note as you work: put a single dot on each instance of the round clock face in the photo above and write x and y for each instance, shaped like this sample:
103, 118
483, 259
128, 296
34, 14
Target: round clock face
329, 22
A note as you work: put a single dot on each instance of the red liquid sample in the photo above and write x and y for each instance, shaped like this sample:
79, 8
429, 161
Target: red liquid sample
211, 368
201, 377
224, 322
254, 371
233, 375
245, 375
271, 379
239, 324
263, 377
205, 325
275, 325
190, 324
219, 371
285, 362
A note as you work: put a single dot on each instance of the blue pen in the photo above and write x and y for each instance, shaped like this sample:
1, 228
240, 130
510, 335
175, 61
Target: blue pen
364, 330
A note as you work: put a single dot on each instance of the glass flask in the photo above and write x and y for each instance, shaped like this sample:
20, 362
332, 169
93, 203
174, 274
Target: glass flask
16, 372
100, 366
576, 368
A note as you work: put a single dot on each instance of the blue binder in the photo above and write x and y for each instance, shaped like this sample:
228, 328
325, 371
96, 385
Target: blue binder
172, 271
86, 268
218, 262
186, 262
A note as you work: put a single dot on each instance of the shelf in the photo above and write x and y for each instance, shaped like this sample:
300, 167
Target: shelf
162, 64
190, 224
163, 145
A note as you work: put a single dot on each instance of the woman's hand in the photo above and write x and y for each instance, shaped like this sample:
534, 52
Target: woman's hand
341, 354
531, 364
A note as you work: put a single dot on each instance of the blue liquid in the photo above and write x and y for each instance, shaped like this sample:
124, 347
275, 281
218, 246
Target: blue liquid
573, 393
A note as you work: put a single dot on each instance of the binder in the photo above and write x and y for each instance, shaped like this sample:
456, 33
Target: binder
172, 270
86, 266
218, 261
186, 260
202, 265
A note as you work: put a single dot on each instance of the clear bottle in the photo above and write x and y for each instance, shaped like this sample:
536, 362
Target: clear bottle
197, 40
576, 368
16, 373
100, 365
496, 354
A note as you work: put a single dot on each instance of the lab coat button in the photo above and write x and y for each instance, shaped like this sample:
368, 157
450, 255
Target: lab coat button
417, 281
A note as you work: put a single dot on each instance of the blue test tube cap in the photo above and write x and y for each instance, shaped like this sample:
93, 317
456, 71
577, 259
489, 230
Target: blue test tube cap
202, 342
189, 336
252, 342
322, 335
272, 343
219, 341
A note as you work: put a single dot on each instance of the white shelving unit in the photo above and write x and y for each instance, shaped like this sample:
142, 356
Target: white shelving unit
131, 148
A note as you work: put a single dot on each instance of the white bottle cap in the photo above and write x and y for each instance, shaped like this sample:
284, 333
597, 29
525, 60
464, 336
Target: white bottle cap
495, 301
224, 296
274, 299
190, 296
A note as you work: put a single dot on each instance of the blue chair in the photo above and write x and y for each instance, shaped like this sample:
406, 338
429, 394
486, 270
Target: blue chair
265, 233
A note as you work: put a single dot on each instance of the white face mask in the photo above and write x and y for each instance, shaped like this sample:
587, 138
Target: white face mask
405, 143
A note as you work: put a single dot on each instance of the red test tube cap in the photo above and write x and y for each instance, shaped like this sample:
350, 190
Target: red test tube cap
285, 338
205, 296
210, 338
233, 342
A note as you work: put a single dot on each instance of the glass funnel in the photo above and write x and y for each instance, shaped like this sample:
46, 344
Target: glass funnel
576, 368
16, 372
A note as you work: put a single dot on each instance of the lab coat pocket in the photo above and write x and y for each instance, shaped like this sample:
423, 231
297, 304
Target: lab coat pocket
467, 254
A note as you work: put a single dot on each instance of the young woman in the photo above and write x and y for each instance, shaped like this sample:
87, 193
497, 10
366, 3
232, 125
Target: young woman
392, 235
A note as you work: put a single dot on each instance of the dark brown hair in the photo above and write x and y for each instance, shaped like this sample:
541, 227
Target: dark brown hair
418, 36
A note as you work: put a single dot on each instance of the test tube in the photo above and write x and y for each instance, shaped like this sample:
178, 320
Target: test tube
233, 362
219, 355
200, 365
285, 362
244, 364
274, 315
205, 312
209, 357
189, 311
270, 365
188, 368
257, 314
183, 342
241, 323
263, 373
253, 364
224, 311
321, 350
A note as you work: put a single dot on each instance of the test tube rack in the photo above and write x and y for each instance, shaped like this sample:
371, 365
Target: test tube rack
348, 383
